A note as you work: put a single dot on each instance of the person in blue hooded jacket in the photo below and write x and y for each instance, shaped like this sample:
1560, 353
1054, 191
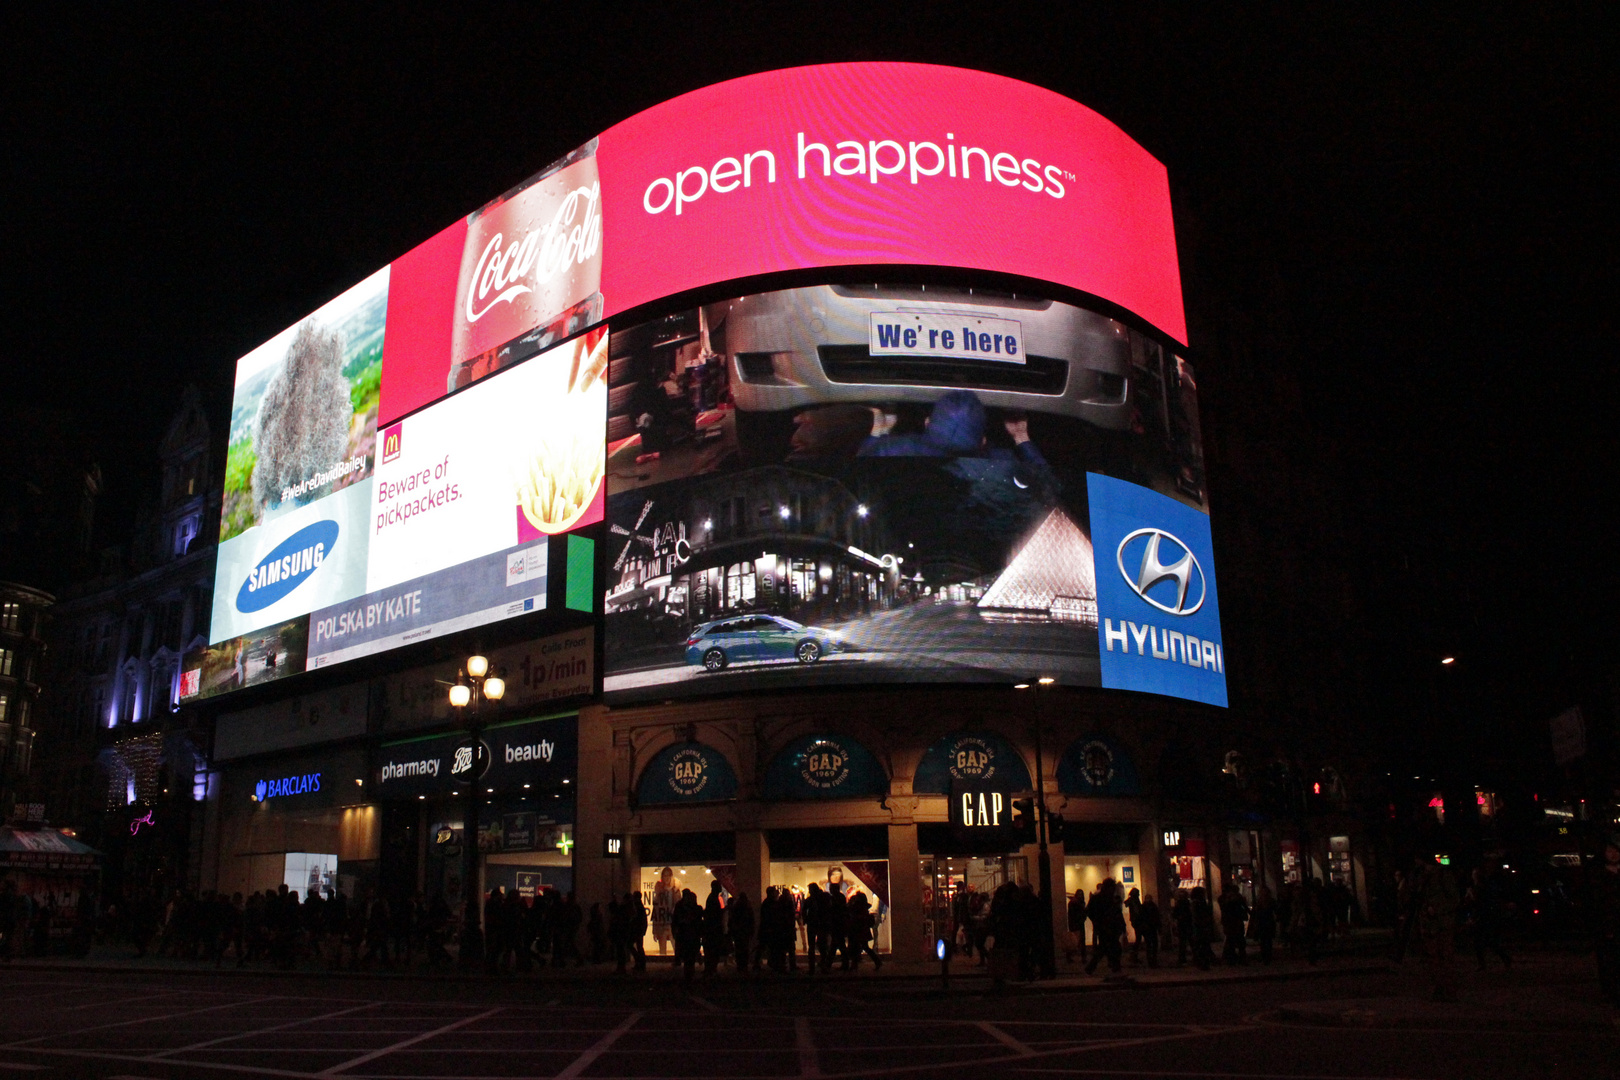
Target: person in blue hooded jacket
956, 429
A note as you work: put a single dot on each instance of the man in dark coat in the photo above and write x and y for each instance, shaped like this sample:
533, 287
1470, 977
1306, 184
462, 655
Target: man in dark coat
1234, 924
1149, 923
1077, 926
817, 916
1108, 927
740, 927
686, 926
714, 929
837, 927
638, 929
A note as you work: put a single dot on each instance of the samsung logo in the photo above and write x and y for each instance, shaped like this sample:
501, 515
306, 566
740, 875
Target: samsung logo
285, 568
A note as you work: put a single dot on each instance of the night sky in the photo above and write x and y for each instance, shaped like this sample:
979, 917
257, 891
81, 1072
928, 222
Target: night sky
1408, 211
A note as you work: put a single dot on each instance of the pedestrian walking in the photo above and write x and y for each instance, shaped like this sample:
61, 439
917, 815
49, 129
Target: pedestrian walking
1403, 914
1203, 928
1107, 927
638, 929
861, 926
1606, 918
837, 927
1181, 915
1133, 907
618, 932
714, 929
1488, 907
1437, 903
740, 928
1077, 927
1263, 922
1149, 929
1234, 925
817, 913
686, 927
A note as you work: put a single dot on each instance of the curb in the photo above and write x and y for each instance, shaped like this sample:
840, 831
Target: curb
975, 981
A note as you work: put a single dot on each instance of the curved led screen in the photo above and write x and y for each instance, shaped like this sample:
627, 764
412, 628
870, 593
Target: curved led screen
906, 479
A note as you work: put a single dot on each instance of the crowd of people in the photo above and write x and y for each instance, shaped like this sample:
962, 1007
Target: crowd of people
28, 921
1302, 916
833, 927
838, 926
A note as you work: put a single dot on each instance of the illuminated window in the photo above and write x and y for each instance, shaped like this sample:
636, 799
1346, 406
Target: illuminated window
740, 584
185, 531
10, 616
5, 661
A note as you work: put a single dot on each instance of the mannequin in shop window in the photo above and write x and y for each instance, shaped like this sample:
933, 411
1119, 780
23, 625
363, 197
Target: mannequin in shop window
665, 896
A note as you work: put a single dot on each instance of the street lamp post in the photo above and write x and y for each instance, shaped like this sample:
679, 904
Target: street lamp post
1043, 861
473, 686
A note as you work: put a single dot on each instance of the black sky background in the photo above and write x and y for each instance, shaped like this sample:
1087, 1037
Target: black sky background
1411, 203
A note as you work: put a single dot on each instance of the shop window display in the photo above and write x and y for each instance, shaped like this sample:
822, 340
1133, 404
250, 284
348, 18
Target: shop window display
957, 893
863, 877
1086, 872
307, 873
661, 888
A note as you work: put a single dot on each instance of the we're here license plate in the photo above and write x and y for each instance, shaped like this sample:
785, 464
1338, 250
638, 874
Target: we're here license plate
960, 336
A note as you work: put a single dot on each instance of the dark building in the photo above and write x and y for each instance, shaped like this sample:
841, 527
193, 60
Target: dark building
113, 746
24, 615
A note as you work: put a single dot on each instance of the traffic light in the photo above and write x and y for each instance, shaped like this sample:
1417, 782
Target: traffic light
1024, 820
1054, 828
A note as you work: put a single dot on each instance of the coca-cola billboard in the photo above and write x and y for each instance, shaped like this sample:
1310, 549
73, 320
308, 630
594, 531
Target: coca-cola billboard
531, 270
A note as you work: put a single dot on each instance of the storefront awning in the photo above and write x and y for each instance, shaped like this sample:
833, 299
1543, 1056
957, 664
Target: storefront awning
45, 850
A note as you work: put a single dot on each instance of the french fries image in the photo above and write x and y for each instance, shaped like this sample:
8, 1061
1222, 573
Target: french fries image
560, 471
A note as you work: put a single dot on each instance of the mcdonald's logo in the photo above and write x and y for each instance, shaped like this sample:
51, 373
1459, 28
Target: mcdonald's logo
391, 442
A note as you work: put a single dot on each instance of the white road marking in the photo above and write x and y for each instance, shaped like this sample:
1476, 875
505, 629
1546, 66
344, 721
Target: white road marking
584, 1061
424, 1037
146, 1020
260, 1031
1206, 1075
809, 1059
1003, 1038
705, 1002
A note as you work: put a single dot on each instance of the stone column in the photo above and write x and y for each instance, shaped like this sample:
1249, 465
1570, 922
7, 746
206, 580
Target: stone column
753, 864
905, 892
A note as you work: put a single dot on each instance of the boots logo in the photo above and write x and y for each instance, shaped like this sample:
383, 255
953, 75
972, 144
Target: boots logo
1149, 551
287, 567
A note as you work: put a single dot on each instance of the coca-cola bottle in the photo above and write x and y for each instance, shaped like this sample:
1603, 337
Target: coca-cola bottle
531, 271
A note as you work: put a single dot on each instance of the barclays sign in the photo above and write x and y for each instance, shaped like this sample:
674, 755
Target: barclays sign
305, 784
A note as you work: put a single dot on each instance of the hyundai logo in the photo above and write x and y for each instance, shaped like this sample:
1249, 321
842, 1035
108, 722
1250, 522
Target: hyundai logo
1152, 570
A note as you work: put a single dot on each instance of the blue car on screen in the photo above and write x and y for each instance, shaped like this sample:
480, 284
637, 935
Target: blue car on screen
748, 638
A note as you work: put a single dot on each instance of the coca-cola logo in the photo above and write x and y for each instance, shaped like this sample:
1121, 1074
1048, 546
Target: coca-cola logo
572, 237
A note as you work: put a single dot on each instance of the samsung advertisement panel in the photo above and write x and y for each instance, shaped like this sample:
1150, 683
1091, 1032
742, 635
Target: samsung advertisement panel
444, 523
